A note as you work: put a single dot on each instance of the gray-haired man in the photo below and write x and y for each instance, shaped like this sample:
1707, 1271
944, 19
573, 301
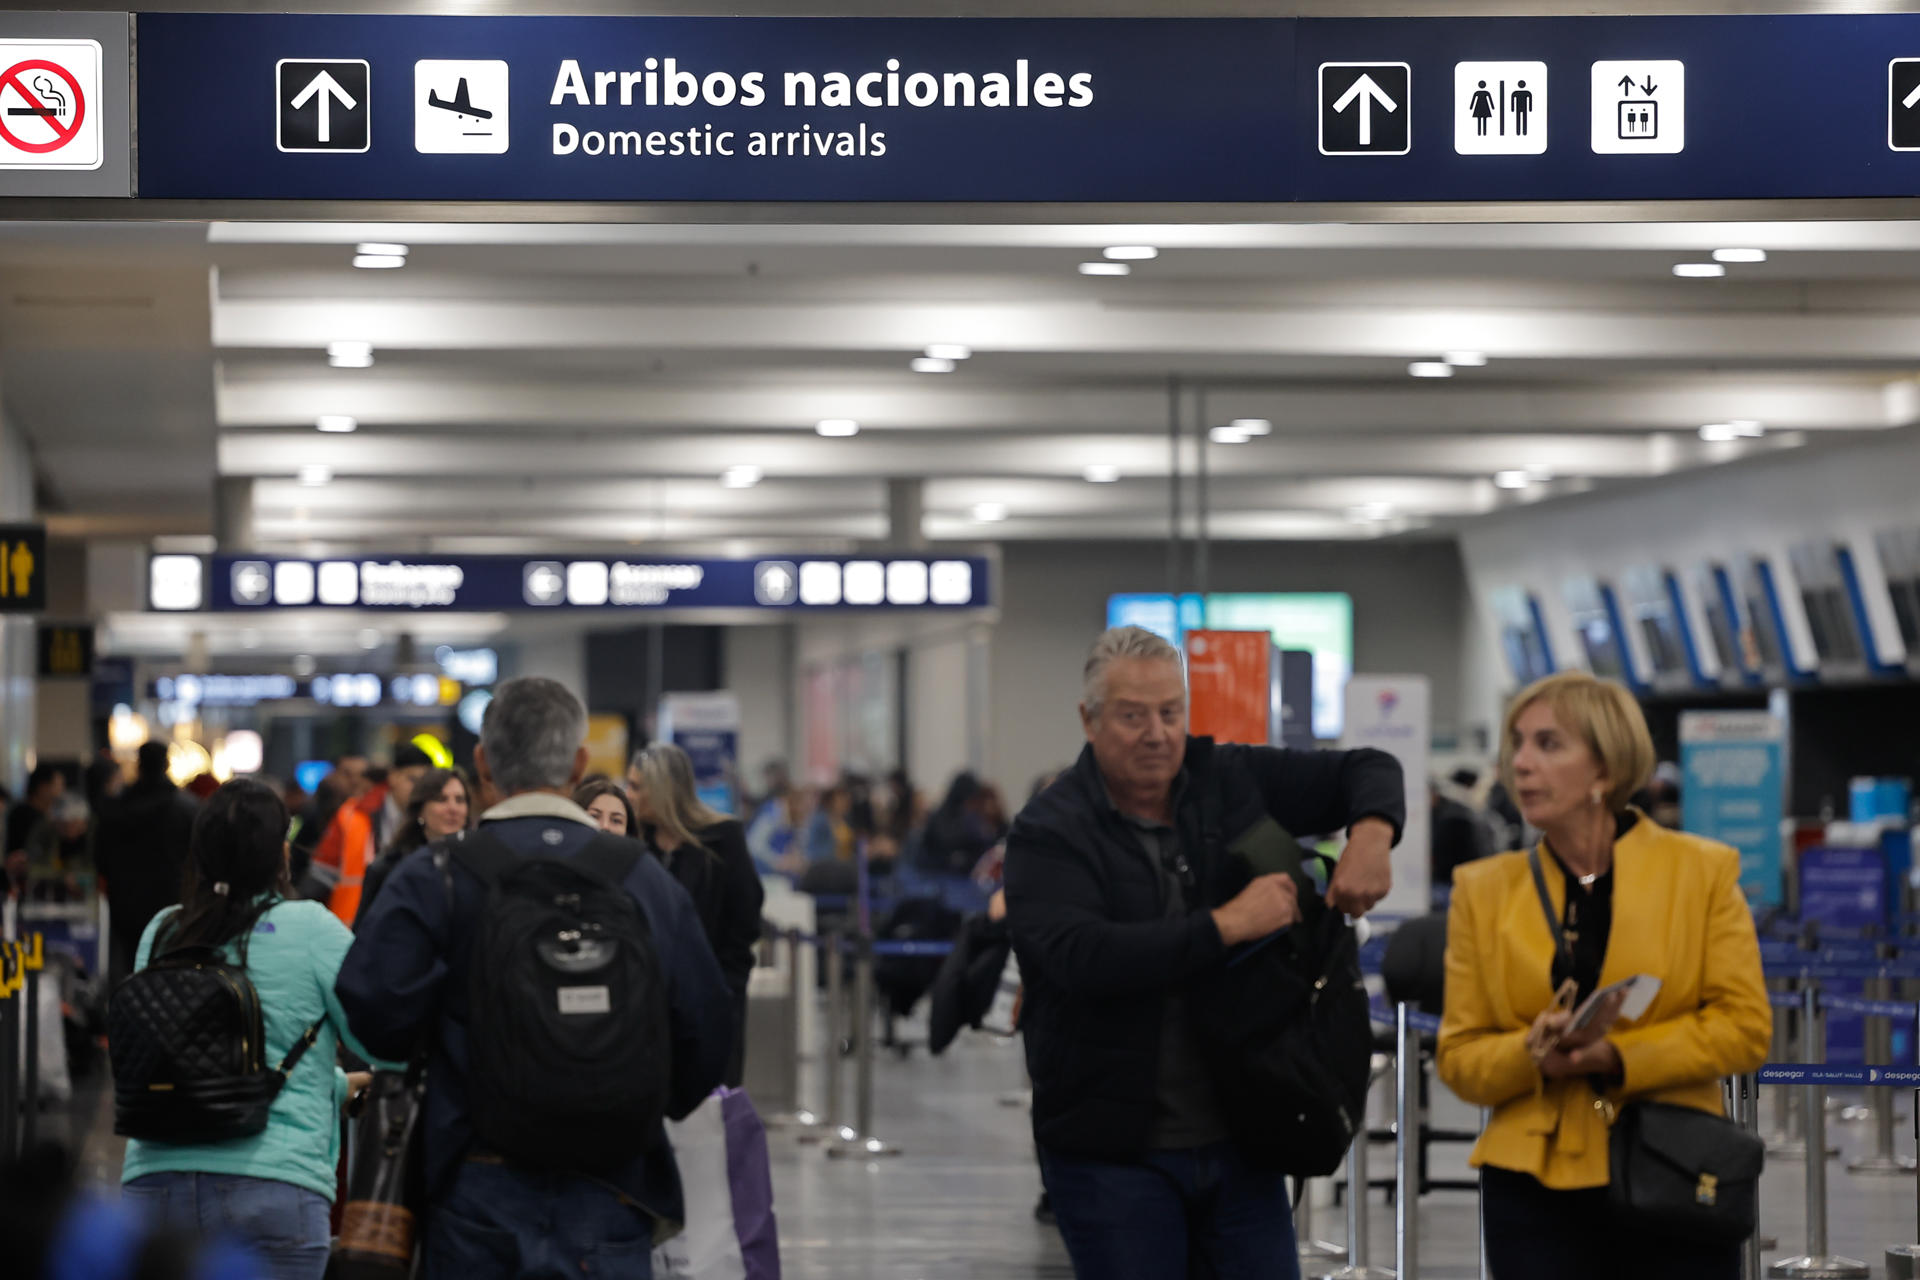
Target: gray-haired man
410, 971
1122, 897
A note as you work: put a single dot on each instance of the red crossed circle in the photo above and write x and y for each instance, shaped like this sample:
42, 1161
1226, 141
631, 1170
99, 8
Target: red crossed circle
10, 79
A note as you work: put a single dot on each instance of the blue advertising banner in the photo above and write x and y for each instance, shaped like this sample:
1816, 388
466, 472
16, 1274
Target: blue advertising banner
395, 107
494, 583
1734, 790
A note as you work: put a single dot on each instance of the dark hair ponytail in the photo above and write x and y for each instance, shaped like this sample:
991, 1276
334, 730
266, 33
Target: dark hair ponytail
236, 869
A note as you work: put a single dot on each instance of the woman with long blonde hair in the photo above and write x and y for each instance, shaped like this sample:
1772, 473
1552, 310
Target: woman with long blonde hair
707, 853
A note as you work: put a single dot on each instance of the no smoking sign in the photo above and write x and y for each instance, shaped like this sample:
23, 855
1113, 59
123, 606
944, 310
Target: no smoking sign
50, 104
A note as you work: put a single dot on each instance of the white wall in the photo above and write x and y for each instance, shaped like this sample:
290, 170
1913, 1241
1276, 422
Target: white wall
1847, 492
756, 666
1409, 603
561, 656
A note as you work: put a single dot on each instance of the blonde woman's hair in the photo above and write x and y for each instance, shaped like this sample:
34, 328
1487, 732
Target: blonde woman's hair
1604, 715
677, 808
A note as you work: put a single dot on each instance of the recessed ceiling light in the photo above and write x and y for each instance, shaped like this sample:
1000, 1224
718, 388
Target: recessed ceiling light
948, 351
1739, 429
1132, 253
1512, 479
1228, 435
339, 423
1105, 269
744, 476
380, 249
313, 475
1101, 473
350, 353
1739, 255
1699, 270
990, 512
1430, 369
379, 261
837, 428
932, 364
1371, 513
1466, 359
1252, 426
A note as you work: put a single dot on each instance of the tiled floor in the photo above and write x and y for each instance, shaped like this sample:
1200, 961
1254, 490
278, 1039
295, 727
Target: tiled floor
957, 1203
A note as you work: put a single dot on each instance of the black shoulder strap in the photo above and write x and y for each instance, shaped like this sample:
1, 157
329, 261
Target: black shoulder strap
610, 858
486, 856
299, 1051
1560, 947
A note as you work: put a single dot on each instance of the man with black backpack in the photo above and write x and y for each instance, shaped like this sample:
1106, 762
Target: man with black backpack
1195, 1023
569, 1001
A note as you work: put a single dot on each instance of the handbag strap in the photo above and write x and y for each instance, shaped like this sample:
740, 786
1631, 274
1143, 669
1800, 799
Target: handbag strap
1560, 947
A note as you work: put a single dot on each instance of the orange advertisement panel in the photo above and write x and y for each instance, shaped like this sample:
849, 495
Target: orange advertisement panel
1230, 684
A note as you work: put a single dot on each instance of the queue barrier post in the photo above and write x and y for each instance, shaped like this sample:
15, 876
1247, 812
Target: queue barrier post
801, 1118
33, 956
10, 980
1406, 1145
830, 1111
1883, 1162
1816, 1263
1357, 1267
857, 1141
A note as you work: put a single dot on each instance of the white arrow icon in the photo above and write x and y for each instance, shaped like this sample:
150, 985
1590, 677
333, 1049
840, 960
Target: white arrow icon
328, 90
1363, 89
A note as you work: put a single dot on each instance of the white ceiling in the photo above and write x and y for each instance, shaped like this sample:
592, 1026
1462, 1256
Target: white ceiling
542, 385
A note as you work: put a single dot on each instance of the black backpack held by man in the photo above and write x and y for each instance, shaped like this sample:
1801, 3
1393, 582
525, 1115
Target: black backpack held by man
569, 1042
1285, 1023
188, 1046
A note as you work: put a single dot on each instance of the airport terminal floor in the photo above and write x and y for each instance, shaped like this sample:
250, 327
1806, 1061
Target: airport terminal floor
1294, 587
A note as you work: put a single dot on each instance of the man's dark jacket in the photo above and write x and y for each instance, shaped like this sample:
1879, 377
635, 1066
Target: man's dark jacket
409, 971
1098, 953
140, 848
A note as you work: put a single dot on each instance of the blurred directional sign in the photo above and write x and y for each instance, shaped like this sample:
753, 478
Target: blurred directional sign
23, 568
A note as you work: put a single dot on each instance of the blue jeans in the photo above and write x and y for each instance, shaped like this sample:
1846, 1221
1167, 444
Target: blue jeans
1199, 1213
286, 1227
499, 1222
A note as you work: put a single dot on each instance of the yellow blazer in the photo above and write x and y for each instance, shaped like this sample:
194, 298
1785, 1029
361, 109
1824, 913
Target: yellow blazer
1679, 915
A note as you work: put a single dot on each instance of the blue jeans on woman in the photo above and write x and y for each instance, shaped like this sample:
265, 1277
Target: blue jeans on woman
1194, 1213
286, 1227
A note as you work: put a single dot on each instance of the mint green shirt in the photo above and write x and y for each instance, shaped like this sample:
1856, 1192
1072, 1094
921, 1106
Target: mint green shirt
292, 959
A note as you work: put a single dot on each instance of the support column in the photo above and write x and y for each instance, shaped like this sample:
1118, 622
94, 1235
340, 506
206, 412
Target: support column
233, 513
906, 513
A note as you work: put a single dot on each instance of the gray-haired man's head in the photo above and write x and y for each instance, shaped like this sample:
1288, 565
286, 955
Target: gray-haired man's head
1133, 707
533, 737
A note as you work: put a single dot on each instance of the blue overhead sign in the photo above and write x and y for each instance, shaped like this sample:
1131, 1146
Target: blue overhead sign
495, 583
391, 107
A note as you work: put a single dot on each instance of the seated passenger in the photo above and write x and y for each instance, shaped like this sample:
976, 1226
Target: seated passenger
1115, 886
534, 1167
1630, 898
272, 1190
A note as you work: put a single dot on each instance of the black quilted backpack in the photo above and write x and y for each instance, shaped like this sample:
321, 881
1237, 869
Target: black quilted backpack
189, 1051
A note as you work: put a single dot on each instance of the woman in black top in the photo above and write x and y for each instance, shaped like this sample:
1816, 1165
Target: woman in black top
707, 853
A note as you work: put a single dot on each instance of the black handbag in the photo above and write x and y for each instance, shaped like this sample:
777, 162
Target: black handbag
386, 1181
1673, 1170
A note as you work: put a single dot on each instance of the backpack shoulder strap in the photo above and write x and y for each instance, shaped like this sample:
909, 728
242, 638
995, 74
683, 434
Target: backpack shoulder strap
299, 1051
610, 858
485, 855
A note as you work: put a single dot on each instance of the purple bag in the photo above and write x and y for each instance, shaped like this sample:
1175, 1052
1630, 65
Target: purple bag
727, 1180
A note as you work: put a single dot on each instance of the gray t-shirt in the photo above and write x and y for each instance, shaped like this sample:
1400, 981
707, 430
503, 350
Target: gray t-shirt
1186, 1112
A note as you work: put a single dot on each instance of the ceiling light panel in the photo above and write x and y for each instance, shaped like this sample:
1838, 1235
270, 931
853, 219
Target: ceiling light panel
1105, 269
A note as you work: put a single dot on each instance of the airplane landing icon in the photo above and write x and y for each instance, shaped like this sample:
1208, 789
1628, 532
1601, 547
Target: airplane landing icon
462, 103
460, 106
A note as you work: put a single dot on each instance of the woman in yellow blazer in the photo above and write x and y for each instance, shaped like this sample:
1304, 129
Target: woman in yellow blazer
1633, 898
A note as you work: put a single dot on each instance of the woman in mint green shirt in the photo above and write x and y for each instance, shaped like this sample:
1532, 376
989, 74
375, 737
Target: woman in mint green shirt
271, 1191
